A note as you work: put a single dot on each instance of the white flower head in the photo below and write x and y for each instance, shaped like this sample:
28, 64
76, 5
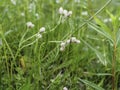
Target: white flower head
65, 88
31, 7
69, 13
77, 41
37, 16
119, 18
73, 39
65, 12
68, 41
30, 24
106, 20
42, 29
61, 10
22, 14
62, 48
84, 13
13, 2
62, 44
77, 1
39, 35
57, 1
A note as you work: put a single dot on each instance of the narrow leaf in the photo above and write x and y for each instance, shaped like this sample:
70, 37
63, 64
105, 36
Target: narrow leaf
91, 84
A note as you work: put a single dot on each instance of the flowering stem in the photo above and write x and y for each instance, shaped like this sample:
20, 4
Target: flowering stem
23, 37
28, 39
28, 44
114, 67
59, 21
114, 63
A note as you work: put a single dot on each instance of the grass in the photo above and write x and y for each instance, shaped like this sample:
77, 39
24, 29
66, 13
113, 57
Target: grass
29, 62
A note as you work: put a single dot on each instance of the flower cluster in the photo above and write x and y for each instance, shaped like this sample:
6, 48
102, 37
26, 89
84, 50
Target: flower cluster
67, 42
65, 12
30, 24
41, 30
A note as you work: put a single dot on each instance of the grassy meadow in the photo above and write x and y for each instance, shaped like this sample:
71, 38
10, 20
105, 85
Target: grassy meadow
59, 44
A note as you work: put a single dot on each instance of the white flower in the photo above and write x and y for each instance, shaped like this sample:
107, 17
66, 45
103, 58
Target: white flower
42, 29
84, 13
62, 44
39, 35
62, 48
77, 41
22, 14
119, 18
73, 39
31, 7
69, 13
37, 16
13, 2
65, 12
68, 41
77, 1
30, 24
57, 1
65, 88
107, 20
61, 10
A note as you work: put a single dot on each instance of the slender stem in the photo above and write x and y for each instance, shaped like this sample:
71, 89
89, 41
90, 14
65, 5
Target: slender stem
102, 8
59, 22
28, 44
23, 37
114, 67
8, 46
27, 39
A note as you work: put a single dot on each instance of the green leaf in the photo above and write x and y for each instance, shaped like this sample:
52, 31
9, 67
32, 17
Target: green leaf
91, 84
104, 27
101, 31
99, 55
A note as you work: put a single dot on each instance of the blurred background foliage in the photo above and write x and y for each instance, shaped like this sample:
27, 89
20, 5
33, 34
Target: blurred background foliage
42, 66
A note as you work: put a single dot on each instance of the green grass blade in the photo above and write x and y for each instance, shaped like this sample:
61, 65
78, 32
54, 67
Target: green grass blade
91, 84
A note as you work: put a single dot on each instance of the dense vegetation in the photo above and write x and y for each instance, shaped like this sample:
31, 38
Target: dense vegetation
59, 45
